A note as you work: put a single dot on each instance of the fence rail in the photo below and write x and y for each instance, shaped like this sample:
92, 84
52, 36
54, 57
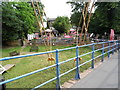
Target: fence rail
115, 46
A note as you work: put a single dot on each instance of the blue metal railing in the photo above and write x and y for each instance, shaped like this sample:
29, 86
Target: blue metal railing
93, 47
115, 46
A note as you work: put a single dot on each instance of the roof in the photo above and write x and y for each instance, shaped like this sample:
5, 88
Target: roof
51, 19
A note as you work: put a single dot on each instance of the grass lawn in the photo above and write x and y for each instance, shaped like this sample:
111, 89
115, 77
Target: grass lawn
29, 64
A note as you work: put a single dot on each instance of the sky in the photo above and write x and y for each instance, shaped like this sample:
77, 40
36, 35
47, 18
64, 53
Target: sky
54, 8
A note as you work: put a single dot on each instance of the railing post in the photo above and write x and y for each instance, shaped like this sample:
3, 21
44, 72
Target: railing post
108, 49
116, 46
92, 64
102, 52
77, 76
57, 70
113, 48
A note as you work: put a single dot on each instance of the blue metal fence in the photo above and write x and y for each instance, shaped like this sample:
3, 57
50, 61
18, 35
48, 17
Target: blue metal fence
114, 46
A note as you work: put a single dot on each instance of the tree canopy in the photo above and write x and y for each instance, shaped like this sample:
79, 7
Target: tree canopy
62, 24
106, 17
17, 20
75, 18
76, 12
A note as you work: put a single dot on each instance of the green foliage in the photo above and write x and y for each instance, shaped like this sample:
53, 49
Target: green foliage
77, 8
29, 64
17, 20
76, 12
75, 18
62, 24
106, 17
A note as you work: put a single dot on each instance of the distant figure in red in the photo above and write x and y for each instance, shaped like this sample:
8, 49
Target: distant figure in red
112, 34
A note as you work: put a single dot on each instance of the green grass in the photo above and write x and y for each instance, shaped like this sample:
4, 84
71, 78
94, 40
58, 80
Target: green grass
29, 64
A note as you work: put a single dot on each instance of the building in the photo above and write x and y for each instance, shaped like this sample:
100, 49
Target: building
50, 21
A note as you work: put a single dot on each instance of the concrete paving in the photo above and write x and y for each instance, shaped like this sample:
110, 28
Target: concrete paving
104, 76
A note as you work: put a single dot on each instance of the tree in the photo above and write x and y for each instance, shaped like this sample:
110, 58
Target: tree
106, 16
62, 24
17, 20
76, 12
75, 18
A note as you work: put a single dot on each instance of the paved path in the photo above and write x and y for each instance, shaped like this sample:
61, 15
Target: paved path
104, 76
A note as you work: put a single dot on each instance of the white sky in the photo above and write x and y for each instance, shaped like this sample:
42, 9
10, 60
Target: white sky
54, 8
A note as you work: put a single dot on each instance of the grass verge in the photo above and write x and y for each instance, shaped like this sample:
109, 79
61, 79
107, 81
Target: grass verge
29, 64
